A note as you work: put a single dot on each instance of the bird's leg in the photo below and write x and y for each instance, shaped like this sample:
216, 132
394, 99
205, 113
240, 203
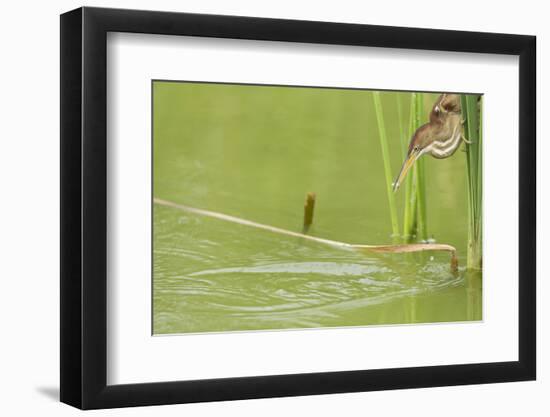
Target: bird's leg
462, 135
469, 142
462, 122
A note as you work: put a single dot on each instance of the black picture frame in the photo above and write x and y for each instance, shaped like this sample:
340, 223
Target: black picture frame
84, 207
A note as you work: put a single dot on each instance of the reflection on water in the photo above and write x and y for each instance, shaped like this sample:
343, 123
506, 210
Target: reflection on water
254, 152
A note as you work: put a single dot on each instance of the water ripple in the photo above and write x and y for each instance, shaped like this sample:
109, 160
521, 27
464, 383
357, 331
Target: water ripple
323, 268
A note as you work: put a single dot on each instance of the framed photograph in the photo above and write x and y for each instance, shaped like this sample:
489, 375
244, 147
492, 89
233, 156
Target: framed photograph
258, 208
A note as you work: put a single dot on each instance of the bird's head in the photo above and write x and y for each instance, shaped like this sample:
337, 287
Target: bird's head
418, 145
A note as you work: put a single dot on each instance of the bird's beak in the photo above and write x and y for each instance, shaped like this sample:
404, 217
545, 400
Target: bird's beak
409, 162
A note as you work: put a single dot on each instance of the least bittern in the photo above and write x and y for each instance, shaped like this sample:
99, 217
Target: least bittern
440, 137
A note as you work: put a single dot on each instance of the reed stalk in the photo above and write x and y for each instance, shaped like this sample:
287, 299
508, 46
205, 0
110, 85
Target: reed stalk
473, 129
422, 216
409, 217
402, 137
387, 165
309, 207
415, 222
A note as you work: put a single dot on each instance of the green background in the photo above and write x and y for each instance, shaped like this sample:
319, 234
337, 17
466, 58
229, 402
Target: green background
254, 152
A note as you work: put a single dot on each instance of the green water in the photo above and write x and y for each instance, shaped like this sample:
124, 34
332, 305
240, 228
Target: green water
254, 152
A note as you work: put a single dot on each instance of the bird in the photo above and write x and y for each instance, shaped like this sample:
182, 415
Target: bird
440, 137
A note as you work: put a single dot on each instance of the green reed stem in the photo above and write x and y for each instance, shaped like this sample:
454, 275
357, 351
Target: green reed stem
409, 220
402, 137
421, 200
420, 176
386, 159
472, 127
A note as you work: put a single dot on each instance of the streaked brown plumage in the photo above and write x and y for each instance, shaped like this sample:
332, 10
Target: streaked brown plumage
440, 137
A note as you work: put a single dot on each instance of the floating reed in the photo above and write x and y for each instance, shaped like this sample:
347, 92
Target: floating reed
402, 248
